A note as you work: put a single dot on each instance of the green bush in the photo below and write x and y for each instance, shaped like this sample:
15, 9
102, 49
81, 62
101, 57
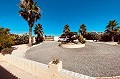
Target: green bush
39, 39
81, 39
6, 39
21, 39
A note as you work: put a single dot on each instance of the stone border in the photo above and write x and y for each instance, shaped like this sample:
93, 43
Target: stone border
72, 45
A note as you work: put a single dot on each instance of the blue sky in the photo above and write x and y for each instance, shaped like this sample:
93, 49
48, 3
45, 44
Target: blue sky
95, 14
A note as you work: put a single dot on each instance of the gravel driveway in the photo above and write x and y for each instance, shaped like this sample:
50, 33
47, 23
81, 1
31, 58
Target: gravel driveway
94, 59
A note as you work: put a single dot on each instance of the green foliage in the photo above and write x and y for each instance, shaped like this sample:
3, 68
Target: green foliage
6, 39
82, 29
81, 39
71, 36
39, 39
39, 31
95, 36
66, 29
29, 11
112, 28
21, 39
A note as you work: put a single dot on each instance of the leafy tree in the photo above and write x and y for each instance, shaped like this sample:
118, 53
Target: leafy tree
31, 13
95, 36
82, 29
21, 39
112, 28
39, 31
66, 29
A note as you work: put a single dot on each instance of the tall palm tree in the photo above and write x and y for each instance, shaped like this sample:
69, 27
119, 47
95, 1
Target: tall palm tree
112, 28
38, 30
31, 13
82, 29
66, 29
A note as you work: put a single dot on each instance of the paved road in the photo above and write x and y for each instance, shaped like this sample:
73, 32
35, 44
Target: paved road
93, 60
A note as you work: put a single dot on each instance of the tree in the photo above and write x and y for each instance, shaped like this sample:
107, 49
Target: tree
31, 13
66, 29
95, 36
118, 34
112, 28
82, 29
39, 31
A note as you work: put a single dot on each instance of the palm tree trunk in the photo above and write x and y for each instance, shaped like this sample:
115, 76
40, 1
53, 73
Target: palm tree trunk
30, 36
112, 38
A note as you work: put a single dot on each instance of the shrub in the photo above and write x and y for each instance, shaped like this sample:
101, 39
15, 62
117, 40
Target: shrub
6, 39
55, 61
7, 51
81, 39
39, 39
21, 39
105, 37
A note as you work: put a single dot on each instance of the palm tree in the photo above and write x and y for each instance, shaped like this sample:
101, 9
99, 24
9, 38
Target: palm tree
38, 30
66, 29
82, 29
118, 34
112, 28
31, 13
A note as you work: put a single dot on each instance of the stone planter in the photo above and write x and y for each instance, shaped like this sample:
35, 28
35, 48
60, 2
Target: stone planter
55, 67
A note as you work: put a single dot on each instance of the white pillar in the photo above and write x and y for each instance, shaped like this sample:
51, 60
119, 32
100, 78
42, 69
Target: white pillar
55, 69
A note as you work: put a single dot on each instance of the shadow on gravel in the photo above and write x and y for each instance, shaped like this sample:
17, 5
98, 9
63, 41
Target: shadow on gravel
4, 74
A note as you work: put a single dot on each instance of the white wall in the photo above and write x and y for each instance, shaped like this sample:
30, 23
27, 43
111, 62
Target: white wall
44, 71
56, 38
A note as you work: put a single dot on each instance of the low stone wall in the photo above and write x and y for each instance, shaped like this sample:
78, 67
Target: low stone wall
44, 71
38, 69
